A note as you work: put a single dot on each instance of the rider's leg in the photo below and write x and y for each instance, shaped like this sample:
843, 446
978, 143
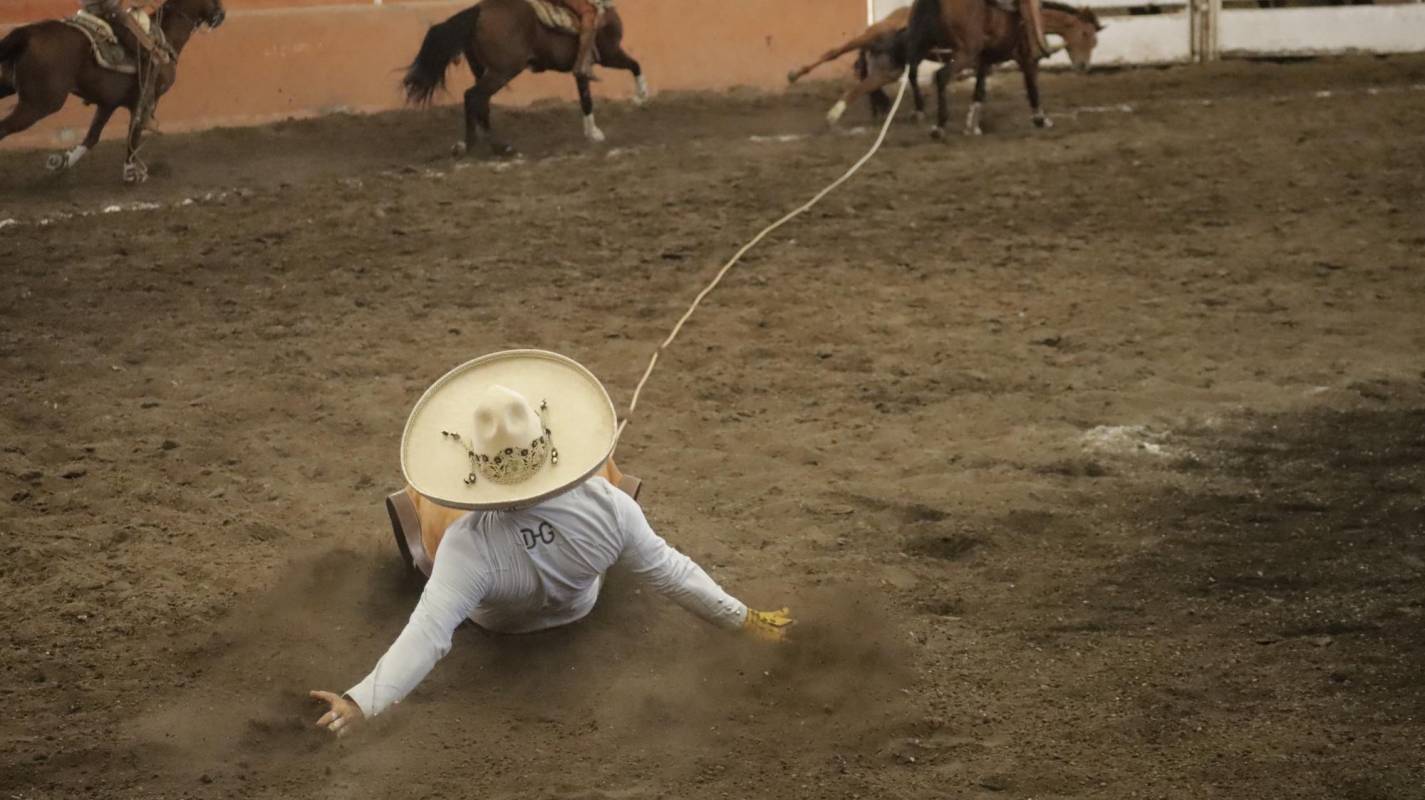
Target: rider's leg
588, 15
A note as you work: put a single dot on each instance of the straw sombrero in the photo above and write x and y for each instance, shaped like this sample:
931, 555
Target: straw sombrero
508, 430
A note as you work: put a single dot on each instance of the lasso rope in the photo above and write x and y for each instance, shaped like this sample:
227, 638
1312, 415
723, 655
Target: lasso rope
793, 214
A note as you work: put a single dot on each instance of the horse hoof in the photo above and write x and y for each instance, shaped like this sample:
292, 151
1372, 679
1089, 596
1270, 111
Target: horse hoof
640, 99
937, 133
597, 136
502, 150
1043, 122
56, 162
135, 173
792, 76
974, 131
458, 150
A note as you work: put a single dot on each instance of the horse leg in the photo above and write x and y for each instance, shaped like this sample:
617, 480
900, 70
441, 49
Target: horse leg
877, 77
67, 159
618, 58
586, 104
915, 93
477, 111
135, 171
972, 119
22, 117
460, 148
38, 99
880, 103
1030, 68
943, 77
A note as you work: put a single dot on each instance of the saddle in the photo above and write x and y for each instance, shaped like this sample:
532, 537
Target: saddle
556, 17
108, 50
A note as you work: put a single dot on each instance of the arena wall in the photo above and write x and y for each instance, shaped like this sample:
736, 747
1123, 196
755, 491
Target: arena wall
281, 59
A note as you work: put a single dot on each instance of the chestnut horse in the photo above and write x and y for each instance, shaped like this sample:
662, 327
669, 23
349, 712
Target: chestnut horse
977, 34
46, 62
500, 39
882, 56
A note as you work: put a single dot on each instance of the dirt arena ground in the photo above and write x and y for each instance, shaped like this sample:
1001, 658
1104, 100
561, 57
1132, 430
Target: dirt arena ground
1091, 459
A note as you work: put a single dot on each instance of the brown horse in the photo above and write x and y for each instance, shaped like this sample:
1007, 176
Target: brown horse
46, 62
882, 56
500, 39
977, 34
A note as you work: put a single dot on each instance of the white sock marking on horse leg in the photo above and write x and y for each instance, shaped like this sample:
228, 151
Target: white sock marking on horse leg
834, 115
972, 120
591, 131
640, 90
65, 160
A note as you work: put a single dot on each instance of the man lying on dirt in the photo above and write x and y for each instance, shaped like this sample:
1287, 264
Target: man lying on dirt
544, 528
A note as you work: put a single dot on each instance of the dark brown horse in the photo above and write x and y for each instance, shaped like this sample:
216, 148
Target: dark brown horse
46, 62
501, 39
977, 34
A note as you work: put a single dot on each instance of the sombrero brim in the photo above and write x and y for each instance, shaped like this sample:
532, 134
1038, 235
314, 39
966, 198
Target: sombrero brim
581, 417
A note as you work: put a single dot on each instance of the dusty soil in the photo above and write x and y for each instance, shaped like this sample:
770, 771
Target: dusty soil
1091, 459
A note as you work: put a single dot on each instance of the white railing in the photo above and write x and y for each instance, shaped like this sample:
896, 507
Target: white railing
1203, 30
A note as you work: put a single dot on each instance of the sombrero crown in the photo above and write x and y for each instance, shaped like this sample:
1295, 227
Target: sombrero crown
507, 430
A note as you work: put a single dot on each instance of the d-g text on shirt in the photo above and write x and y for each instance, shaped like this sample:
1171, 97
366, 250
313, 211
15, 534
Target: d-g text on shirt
545, 534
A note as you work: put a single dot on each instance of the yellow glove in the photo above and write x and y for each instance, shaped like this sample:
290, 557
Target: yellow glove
768, 626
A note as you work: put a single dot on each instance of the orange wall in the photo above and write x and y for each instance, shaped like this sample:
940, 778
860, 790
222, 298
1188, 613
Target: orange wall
275, 59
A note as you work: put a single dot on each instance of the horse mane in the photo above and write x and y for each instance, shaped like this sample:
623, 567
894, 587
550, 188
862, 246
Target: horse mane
1084, 14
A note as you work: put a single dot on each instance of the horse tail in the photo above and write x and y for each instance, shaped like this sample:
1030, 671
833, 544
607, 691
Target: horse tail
13, 45
442, 46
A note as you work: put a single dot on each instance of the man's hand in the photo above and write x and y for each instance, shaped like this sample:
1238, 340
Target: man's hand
768, 626
342, 716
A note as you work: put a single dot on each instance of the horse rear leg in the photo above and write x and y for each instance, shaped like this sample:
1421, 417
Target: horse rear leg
915, 92
618, 58
878, 75
41, 94
586, 104
26, 114
69, 158
477, 112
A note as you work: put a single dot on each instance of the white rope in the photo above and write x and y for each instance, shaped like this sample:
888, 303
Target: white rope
793, 214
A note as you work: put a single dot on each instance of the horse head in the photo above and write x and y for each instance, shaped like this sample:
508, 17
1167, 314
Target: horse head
201, 12
1078, 28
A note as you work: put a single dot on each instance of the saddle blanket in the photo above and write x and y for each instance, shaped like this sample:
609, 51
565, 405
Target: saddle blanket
556, 17
108, 51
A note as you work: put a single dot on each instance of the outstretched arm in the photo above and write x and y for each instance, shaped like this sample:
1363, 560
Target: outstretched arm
457, 583
680, 579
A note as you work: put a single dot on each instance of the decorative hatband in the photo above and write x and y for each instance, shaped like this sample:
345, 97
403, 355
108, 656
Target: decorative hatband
513, 464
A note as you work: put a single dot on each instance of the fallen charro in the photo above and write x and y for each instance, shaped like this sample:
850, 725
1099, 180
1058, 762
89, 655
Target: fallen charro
511, 513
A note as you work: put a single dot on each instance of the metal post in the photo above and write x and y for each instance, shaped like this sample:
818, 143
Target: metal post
1205, 18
